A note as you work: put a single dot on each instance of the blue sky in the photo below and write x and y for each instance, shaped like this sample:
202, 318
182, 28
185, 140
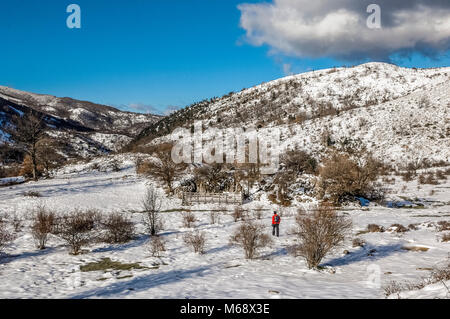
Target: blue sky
149, 53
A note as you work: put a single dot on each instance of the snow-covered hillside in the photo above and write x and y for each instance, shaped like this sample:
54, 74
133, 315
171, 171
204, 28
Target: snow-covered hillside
83, 128
401, 115
90, 115
222, 272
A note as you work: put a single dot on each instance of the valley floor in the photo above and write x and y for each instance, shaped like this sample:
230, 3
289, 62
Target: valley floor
222, 272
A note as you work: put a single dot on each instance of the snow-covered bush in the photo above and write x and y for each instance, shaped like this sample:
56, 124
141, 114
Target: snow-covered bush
319, 233
119, 229
43, 225
196, 240
251, 237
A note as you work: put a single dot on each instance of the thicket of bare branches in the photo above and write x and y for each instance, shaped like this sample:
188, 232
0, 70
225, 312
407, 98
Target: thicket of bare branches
319, 233
196, 240
151, 205
76, 228
6, 235
188, 219
238, 214
342, 177
157, 246
43, 225
251, 237
298, 162
119, 229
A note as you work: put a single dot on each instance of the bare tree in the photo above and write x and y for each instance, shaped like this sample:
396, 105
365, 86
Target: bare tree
164, 168
151, 204
320, 233
48, 157
43, 224
251, 237
26, 132
343, 177
214, 178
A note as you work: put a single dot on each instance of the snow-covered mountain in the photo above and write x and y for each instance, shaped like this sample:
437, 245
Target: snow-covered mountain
88, 128
400, 114
98, 117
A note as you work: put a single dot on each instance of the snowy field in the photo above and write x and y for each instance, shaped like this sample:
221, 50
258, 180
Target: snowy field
222, 272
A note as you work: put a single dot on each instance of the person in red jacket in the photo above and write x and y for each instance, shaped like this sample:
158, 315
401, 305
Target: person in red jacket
276, 220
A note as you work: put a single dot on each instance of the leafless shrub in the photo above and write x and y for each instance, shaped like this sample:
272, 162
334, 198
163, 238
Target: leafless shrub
320, 233
17, 223
446, 238
392, 288
32, 194
374, 228
76, 229
151, 205
424, 102
157, 246
5, 235
358, 242
398, 228
251, 237
238, 213
196, 241
115, 165
188, 220
438, 274
443, 225
440, 175
119, 229
43, 225
409, 175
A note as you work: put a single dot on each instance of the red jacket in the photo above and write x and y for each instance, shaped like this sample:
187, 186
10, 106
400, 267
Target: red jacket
274, 222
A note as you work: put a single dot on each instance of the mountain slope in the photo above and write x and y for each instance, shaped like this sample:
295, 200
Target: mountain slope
369, 99
84, 128
90, 115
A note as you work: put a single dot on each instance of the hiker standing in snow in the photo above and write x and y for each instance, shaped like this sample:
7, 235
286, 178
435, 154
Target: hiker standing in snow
276, 220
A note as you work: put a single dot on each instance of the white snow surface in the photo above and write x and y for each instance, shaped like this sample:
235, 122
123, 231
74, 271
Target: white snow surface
222, 272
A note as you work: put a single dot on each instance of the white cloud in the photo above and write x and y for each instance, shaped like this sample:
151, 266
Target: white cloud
337, 28
141, 108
